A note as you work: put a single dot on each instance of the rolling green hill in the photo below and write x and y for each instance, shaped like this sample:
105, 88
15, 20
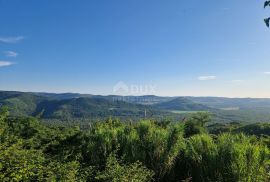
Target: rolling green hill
181, 104
86, 106
20, 103
239, 103
53, 106
91, 107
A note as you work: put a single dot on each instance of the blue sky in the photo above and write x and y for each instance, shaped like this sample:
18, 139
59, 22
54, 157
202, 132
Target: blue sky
180, 47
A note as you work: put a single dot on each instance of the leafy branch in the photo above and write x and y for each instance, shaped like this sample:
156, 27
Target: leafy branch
267, 20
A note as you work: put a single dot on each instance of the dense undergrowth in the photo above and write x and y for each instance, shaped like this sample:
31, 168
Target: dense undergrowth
118, 151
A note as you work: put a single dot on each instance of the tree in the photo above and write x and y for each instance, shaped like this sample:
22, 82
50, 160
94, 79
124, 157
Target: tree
196, 124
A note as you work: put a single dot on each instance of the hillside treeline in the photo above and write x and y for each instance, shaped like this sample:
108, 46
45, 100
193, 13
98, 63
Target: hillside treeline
138, 152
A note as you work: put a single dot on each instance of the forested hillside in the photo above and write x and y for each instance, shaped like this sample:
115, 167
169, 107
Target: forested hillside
141, 152
74, 107
182, 104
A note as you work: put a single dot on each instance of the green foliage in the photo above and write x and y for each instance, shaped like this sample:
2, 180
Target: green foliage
200, 157
243, 158
219, 128
196, 124
257, 129
19, 164
116, 151
229, 158
3, 115
116, 171
56, 171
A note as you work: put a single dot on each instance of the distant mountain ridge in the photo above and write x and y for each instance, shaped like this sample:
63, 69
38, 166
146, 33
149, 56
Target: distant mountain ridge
75, 105
64, 106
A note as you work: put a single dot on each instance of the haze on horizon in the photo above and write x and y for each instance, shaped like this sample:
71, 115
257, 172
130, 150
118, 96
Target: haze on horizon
176, 48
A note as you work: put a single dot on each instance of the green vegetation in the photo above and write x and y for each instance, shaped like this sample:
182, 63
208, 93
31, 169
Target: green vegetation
70, 108
65, 107
182, 104
121, 151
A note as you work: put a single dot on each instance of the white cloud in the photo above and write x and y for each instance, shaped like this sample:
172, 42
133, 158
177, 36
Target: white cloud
5, 63
11, 54
267, 72
11, 39
205, 78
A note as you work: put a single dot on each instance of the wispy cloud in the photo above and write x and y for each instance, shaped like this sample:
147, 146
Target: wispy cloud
267, 72
11, 40
11, 54
205, 78
5, 63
